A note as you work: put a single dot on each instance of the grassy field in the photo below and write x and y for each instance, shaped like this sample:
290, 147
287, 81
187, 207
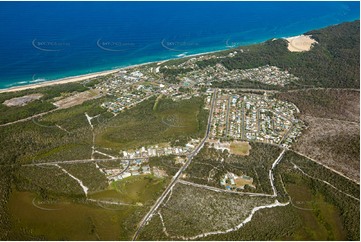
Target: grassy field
174, 122
73, 221
240, 148
61, 218
139, 189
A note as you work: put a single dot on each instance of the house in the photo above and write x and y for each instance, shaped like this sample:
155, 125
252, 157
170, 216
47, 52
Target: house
135, 173
126, 174
146, 169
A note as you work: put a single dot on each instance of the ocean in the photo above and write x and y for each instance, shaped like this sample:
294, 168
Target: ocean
42, 41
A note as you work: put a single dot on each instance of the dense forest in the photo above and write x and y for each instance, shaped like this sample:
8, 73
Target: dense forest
333, 62
65, 134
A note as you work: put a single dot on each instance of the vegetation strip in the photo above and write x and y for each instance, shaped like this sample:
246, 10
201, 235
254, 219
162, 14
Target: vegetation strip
327, 183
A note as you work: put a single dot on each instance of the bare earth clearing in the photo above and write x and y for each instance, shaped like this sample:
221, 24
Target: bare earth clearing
240, 148
300, 43
77, 99
22, 101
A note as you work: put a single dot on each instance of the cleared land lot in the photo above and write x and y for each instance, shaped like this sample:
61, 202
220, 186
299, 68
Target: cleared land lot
77, 98
240, 148
22, 101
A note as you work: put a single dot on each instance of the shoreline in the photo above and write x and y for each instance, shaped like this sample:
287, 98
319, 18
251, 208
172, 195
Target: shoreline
79, 78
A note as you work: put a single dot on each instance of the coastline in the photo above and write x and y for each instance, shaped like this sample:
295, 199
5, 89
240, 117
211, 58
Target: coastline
83, 77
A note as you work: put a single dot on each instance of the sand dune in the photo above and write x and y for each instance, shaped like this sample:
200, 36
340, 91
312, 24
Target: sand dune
300, 43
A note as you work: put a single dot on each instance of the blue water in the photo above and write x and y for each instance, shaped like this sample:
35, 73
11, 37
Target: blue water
49, 40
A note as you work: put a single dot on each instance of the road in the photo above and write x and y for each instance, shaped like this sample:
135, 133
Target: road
227, 116
177, 175
243, 120
29, 118
80, 161
216, 189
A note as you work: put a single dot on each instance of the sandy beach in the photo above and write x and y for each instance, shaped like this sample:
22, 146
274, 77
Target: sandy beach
68, 79
91, 75
300, 43
58, 81
296, 44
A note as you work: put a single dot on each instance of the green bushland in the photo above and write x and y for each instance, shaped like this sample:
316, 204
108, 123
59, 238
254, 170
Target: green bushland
142, 189
325, 103
73, 218
88, 174
111, 164
165, 163
64, 153
345, 146
244, 84
333, 62
23, 142
74, 117
153, 231
10, 114
214, 164
42, 140
141, 125
316, 212
191, 211
44, 104
73, 221
37, 179
6, 180
319, 172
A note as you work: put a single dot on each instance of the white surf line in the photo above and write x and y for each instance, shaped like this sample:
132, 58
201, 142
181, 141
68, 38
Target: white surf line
271, 178
245, 221
323, 181
85, 189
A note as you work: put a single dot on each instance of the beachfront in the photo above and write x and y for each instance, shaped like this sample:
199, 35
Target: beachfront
296, 44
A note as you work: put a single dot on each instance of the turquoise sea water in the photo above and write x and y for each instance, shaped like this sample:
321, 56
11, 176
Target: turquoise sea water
43, 41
